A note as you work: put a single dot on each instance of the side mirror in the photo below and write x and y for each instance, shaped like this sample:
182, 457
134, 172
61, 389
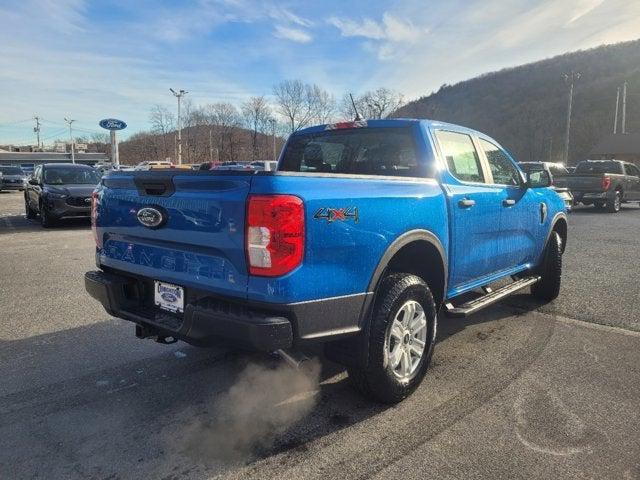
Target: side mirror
33, 181
538, 179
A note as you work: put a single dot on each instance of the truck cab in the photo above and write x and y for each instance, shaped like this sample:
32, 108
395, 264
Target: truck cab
365, 234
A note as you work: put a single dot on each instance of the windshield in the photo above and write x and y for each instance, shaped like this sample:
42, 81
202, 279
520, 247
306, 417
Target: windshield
69, 176
11, 171
599, 167
366, 151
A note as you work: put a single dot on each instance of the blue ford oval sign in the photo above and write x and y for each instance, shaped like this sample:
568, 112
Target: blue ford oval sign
112, 124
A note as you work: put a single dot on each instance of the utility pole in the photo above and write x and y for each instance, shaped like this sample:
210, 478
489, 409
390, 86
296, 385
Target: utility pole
179, 96
36, 129
624, 108
569, 79
69, 122
615, 121
272, 121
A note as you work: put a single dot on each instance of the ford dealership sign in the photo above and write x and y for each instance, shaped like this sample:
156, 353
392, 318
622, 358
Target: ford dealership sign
113, 124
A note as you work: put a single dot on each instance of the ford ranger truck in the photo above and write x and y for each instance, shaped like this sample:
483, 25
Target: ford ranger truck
366, 231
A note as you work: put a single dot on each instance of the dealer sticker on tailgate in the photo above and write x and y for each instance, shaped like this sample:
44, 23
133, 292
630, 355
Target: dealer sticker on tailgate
169, 297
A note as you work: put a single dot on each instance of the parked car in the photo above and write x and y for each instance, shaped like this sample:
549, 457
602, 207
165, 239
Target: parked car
153, 164
13, 178
366, 231
607, 183
264, 165
60, 190
559, 179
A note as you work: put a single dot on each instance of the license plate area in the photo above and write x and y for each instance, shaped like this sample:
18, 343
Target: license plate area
168, 297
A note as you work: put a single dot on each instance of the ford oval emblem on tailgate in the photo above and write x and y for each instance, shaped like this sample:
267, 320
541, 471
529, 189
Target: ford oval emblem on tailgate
151, 217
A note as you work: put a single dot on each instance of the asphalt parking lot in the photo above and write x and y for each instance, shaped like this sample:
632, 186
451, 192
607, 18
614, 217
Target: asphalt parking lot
518, 391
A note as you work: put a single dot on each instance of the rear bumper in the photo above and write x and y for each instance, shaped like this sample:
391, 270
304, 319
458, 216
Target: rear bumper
206, 321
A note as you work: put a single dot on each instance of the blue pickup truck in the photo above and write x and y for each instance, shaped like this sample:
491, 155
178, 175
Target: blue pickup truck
366, 231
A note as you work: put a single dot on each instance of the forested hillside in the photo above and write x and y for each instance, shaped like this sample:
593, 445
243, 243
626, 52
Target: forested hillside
525, 107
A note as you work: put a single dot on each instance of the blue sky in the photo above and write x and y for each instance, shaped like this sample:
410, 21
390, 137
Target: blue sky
91, 60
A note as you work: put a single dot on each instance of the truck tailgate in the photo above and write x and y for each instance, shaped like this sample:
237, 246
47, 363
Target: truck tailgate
201, 241
586, 183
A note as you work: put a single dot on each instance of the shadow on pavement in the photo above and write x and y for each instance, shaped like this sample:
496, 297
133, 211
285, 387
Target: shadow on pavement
59, 380
21, 224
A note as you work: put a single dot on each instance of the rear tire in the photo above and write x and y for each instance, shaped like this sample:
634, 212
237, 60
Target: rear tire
613, 205
548, 288
401, 339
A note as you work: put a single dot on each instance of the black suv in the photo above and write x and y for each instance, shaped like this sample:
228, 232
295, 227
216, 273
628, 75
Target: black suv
60, 190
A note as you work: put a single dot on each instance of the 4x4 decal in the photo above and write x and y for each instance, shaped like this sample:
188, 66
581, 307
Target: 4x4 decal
336, 214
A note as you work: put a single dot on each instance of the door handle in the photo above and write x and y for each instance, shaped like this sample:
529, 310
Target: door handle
466, 203
509, 202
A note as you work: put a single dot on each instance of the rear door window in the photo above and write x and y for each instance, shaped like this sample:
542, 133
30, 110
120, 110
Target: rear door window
597, 167
363, 151
461, 156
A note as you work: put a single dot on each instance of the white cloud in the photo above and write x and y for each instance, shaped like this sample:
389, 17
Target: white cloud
585, 8
293, 34
390, 28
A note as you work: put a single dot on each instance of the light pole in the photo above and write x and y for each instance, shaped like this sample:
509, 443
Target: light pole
179, 96
615, 121
624, 108
569, 79
36, 130
69, 122
272, 121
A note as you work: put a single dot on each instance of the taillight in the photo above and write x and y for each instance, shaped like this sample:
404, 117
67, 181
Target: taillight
345, 125
606, 183
274, 234
94, 217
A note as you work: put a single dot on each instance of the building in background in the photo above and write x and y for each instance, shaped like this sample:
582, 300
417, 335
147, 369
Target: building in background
621, 146
29, 160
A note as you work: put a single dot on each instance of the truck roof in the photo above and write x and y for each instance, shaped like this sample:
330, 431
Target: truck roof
395, 122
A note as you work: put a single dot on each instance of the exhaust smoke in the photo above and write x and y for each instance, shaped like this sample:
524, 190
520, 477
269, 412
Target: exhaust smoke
262, 404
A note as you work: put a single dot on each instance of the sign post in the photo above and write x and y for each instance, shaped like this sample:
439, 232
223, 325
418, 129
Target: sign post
113, 125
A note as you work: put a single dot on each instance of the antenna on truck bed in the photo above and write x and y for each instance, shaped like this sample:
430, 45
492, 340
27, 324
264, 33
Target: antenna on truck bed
355, 109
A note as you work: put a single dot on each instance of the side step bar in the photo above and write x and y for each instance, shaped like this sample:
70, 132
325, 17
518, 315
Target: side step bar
491, 297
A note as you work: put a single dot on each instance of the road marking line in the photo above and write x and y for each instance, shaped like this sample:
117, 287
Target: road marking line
591, 325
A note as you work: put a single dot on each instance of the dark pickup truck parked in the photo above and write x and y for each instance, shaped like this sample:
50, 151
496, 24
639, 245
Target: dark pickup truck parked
605, 183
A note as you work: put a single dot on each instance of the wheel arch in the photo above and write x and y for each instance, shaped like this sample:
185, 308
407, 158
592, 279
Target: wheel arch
559, 225
401, 256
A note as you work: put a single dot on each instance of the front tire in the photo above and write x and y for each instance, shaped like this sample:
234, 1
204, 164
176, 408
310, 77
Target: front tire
548, 288
46, 220
30, 214
401, 339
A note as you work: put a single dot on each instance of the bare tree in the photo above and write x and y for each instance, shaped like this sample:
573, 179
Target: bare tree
292, 102
373, 104
224, 120
162, 123
256, 114
322, 104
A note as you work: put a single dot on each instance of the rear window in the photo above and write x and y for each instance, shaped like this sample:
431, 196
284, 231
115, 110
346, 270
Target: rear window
599, 167
11, 171
366, 151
